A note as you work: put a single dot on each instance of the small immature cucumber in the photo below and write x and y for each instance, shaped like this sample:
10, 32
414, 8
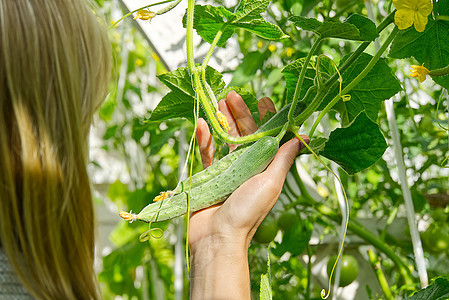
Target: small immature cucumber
251, 162
209, 173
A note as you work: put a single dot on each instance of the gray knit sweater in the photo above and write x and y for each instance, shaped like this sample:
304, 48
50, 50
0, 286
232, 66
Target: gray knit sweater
10, 286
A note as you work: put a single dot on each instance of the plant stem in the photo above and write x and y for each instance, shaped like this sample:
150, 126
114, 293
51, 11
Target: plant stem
168, 8
212, 46
440, 72
356, 80
301, 79
204, 66
375, 264
208, 109
310, 109
189, 35
443, 18
282, 133
391, 218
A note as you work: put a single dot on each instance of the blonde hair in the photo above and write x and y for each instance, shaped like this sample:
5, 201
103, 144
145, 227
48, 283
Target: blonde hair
54, 69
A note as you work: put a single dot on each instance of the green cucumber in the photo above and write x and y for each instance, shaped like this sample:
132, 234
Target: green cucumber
209, 173
251, 162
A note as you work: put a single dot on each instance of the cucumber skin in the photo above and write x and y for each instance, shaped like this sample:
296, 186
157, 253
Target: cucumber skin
279, 119
251, 162
209, 173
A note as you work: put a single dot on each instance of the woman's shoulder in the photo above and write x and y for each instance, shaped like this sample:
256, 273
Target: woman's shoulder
10, 286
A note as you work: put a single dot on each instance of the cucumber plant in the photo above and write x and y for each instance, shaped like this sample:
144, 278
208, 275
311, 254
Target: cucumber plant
355, 88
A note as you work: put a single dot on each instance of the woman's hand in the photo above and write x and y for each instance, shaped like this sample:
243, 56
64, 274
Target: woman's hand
220, 235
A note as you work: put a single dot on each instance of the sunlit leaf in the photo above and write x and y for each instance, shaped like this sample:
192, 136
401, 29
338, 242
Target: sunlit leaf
357, 146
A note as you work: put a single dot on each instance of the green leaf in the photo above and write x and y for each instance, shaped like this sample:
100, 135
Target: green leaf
265, 280
430, 47
209, 20
316, 144
309, 24
265, 288
291, 73
295, 240
439, 290
356, 27
262, 28
442, 8
173, 105
121, 262
215, 80
248, 9
179, 102
357, 146
159, 137
178, 81
380, 84
367, 28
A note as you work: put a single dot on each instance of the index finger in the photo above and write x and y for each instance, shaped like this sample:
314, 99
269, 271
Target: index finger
241, 113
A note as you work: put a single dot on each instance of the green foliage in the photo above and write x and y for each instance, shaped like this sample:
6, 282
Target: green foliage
356, 27
380, 84
426, 47
438, 290
265, 281
287, 219
357, 146
292, 71
265, 288
209, 20
294, 240
436, 238
180, 101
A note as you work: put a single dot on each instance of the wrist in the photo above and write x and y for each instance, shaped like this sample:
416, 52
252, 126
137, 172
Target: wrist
219, 269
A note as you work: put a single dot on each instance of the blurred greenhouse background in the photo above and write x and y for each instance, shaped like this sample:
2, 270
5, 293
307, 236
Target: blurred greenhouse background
133, 160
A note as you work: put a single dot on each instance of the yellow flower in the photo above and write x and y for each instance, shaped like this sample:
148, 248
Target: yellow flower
420, 72
145, 15
128, 216
222, 120
272, 48
162, 196
412, 12
289, 52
